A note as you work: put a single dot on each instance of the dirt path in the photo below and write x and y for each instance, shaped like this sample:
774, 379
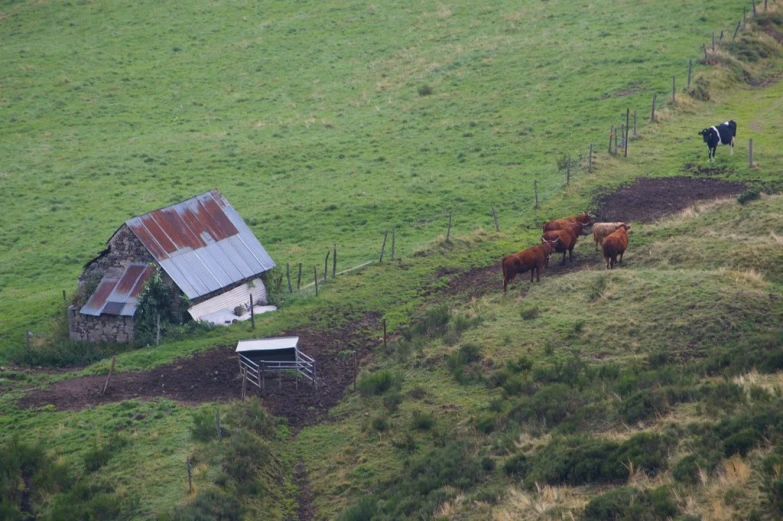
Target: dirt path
646, 200
214, 376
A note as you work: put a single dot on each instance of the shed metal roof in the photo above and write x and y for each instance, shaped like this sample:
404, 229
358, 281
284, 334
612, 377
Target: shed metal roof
117, 292
267, 344
202, 243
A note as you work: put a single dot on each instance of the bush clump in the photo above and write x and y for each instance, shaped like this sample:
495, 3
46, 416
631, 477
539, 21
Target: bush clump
631, 504
422, 420
377, 383
687, 469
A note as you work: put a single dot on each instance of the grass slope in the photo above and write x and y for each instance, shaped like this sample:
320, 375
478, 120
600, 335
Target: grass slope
307, 117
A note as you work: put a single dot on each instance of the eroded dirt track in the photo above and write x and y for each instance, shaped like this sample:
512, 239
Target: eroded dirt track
213, 375
646, 200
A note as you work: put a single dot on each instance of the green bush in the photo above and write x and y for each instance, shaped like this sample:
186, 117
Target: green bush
380, 423
248, 414
529, 313
631, 504
751, 194
422, 421
740, 443
516, 466
392, 401
642, 405
210, 505
203, 428
377, 383
687, 469
97, 457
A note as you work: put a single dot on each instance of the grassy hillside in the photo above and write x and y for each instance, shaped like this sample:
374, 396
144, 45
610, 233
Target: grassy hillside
657, 384
321, 123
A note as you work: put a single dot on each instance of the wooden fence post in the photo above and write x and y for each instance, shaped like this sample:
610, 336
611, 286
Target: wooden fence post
590, 159
674, 90
736, 30
704, 48
750, 154
157, 327
334, 262
634, 124
244, 383
535, 190
383, 246
627, 123
713, 41
495, 217
652, 115
611, 135
315, 277
616, 137
326, 264
394, 239
190, 478
299, 278
690, 69
765, 5
754, 7
384, 333
252, 313
720, 40
111, 370
448, 232
217, 425
288, 276
354, 370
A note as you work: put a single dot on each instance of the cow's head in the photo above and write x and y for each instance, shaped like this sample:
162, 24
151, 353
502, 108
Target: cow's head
549, 246
580, 228
705, 134
626, 227
585, 218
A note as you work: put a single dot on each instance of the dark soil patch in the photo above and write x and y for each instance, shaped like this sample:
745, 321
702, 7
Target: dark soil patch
214, 376
646, 200
306, 509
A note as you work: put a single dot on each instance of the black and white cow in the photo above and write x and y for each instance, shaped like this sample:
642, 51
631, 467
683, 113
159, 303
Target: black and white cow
722, 134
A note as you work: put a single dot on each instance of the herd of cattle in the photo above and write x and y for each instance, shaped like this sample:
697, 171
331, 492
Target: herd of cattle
560, 236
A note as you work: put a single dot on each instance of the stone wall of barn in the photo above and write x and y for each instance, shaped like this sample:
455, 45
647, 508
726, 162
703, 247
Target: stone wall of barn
124, 248
109, 329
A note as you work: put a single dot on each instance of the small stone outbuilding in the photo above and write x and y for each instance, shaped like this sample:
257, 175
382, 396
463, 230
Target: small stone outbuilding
204, 250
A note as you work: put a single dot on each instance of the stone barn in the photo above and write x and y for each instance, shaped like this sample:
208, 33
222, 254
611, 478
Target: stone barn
204, 251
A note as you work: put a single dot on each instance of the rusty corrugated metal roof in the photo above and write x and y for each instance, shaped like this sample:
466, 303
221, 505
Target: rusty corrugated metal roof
117, 293
202, 243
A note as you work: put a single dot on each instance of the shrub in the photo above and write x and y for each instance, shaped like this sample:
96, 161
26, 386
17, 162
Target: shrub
422, 421
210, 505
740, 443
516, 466
203, 428
273, 282
487, 464
97, 457
432, 325
642, 405
377, 383
687, 469
522, 364
380, 423
486, 423
248, 414
751, 194
529, 313
424, 90
629, 504
392, 401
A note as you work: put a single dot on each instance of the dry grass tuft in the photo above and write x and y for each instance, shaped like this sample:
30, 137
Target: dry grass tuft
541, 504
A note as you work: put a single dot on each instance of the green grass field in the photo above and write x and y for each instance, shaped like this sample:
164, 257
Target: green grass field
308, 118
316, 122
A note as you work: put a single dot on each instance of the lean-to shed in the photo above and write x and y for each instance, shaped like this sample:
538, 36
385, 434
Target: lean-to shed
204, 250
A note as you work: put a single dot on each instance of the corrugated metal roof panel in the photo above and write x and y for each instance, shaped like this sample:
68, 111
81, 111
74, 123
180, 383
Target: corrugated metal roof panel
118, 295
97, 300
262, 344
202, 243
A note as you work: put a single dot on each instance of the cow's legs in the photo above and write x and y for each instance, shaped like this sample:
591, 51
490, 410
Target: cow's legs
732, 146
621, 256
564, 254
571, 254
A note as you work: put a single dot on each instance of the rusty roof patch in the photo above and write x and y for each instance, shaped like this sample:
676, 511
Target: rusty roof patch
202, 243
118, 295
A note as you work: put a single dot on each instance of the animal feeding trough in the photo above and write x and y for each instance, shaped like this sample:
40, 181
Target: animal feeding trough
261, 357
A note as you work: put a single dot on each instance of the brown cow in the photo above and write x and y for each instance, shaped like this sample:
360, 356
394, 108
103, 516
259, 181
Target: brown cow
531, 259
615, 244
565, 223
567, 240
602, 230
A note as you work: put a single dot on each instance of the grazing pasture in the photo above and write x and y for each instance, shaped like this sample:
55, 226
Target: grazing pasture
322, 122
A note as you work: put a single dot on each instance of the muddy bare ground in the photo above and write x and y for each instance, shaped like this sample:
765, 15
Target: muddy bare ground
646, 200
214, 376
